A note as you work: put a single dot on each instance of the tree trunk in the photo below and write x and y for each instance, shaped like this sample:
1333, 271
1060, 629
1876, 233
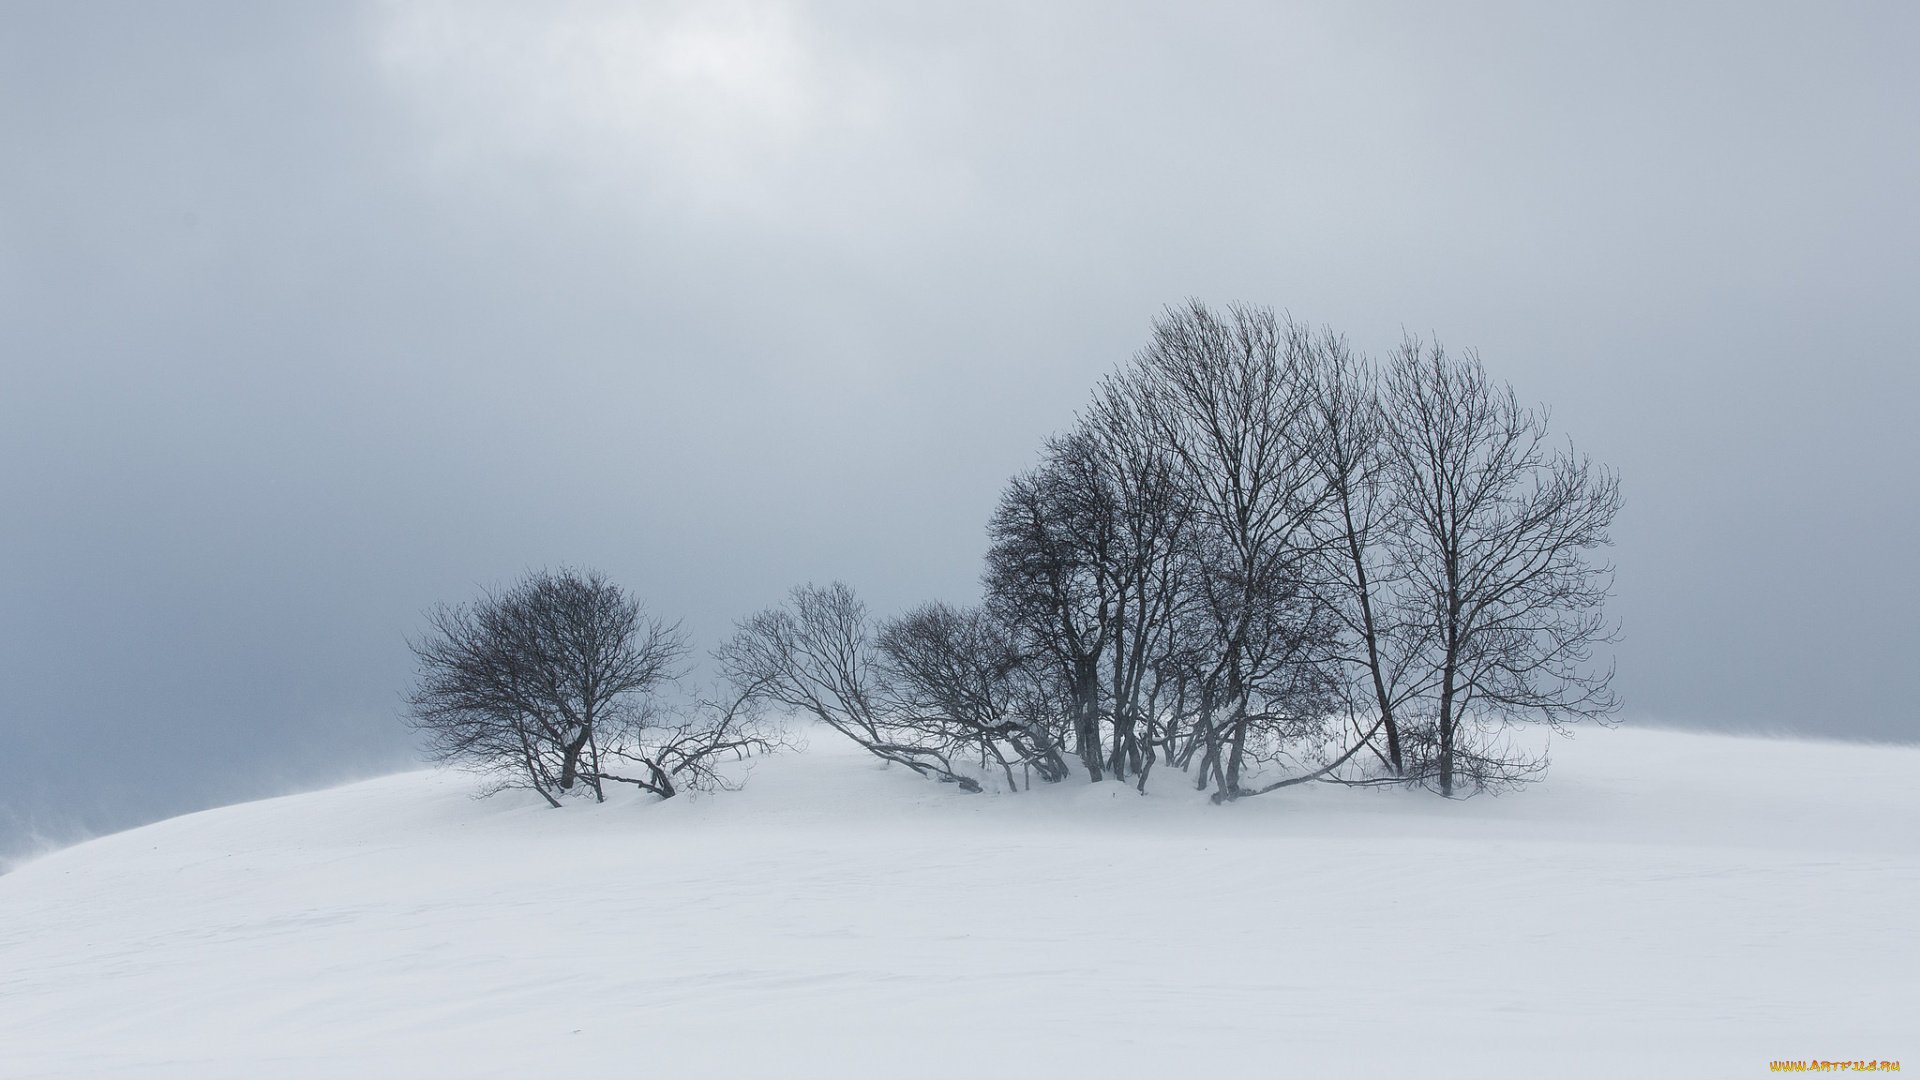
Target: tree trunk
570, 763
1087, 722
593, 749
1236, 756
1446, 727
1372, 635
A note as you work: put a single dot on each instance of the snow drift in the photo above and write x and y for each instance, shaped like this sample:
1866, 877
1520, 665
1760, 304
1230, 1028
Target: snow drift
1664, 904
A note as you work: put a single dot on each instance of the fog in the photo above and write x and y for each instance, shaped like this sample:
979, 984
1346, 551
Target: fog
313, 316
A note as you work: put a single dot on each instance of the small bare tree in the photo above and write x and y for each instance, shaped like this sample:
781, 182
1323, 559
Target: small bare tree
551, 681
955, 676
815, 655
686, 747
1493, 533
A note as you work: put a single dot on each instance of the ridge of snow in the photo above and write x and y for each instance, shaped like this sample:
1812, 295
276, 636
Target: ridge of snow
1664, 901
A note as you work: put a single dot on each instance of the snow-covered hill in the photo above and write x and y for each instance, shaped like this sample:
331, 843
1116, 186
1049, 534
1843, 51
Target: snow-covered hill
1665, 905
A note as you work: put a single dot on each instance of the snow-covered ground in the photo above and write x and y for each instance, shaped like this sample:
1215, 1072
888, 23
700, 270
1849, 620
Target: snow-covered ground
1664, 904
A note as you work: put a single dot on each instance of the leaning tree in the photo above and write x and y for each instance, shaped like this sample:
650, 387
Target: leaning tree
816, 656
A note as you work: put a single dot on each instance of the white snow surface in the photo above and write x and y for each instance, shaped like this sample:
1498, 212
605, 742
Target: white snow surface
1664, 904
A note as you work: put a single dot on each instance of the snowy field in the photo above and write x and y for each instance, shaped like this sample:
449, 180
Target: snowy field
1663, 905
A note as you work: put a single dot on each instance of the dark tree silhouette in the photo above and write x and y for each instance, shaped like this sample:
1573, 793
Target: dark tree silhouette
815, 656
1493, 534
1256, 557
1359, 578
547, 683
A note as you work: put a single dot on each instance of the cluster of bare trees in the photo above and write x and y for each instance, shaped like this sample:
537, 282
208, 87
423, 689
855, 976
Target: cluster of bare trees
1258, 558
556, 684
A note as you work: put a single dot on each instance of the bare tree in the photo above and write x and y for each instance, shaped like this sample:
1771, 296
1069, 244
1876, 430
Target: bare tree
1151, 566
1359, 578
686, 747
1494, 530
815, 655
1085, 569
1049, 576
1229, 399
956, 677
532, 683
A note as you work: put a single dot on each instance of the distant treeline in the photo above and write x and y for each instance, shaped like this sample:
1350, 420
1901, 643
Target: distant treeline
1259, 559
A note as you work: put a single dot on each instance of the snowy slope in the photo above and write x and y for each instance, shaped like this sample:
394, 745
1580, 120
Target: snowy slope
1665, 904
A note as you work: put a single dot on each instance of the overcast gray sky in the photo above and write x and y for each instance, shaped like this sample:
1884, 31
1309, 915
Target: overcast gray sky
314, 315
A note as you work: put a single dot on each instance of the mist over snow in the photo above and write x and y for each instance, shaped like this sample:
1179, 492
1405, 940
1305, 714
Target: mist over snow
1669, 904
